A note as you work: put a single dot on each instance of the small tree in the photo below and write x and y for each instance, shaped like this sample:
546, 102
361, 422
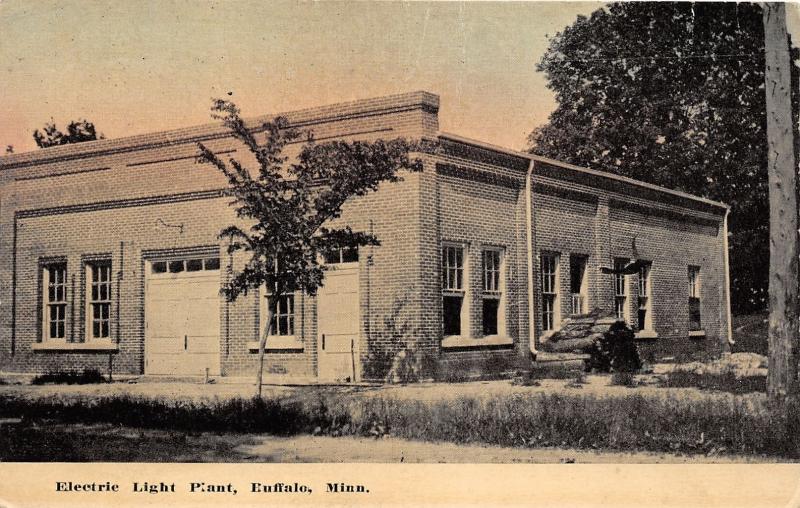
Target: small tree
289, 205
77, 132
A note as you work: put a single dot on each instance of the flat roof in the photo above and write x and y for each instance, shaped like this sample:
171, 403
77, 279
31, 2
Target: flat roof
214, 130
306, 116
593, 172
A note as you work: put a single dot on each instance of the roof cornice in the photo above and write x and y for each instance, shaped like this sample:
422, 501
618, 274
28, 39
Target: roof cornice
298, 118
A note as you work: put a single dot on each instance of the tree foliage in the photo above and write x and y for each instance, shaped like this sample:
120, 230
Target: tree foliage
673, 94
77, 132
288, 205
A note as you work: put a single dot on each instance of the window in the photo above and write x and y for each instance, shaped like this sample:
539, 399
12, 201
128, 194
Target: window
55, 302
694, 299
621, 290
493, 295
98, 292
341, 255
578, 284
184, 265
453, 293
283, 321
550, 305
645, 316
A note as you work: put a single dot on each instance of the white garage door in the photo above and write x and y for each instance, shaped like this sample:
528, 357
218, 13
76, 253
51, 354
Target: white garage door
182, 306
338, 325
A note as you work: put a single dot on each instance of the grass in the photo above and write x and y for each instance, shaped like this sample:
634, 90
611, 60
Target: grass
555, 370
88, 376
274, 416
33, 442
706, 425
725, 381
750, 333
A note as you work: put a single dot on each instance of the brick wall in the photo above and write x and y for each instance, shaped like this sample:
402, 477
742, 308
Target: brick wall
603, 225
109, 197
120, 199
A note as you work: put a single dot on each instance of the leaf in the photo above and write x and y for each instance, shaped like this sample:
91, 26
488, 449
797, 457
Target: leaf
690, 74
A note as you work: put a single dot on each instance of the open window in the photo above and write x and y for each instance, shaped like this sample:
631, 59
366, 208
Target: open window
695, 323
493, 292
454, 321
644, 313
578, 284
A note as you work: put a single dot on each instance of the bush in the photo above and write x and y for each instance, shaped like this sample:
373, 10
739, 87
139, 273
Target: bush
88, 376
623, 379
615, 351
725, 381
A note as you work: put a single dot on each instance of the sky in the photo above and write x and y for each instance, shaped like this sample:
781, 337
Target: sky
143, 66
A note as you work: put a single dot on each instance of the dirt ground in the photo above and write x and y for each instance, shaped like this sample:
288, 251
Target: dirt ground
393, 450
55, 442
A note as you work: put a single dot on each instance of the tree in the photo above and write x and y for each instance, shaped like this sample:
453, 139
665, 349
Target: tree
288, 206
671, 93
77, 132
783, 274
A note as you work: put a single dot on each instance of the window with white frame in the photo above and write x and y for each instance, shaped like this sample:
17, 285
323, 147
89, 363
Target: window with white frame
340, 255
493, 294
578, 284
98, 301
551, 312
283, 320
54, 279
695, 323
621, 290
644, 314
453, 292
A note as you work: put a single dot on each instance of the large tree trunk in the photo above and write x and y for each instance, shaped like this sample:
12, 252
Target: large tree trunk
262, 344
783, 274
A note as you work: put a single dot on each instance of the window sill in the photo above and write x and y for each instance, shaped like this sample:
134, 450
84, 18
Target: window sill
75, 346
697, 333
646, 334
274, 343
457, 341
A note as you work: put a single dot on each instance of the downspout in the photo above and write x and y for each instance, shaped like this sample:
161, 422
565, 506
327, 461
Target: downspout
727, 277
529, 227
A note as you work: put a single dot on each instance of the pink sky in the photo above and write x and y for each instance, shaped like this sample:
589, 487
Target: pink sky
134, 67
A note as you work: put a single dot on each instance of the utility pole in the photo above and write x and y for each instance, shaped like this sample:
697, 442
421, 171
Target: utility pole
783, 222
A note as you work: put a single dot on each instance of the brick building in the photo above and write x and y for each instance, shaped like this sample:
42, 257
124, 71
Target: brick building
109, 257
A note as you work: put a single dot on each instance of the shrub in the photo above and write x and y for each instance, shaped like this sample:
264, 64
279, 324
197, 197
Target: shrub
623, 379
615, 351
88, 376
